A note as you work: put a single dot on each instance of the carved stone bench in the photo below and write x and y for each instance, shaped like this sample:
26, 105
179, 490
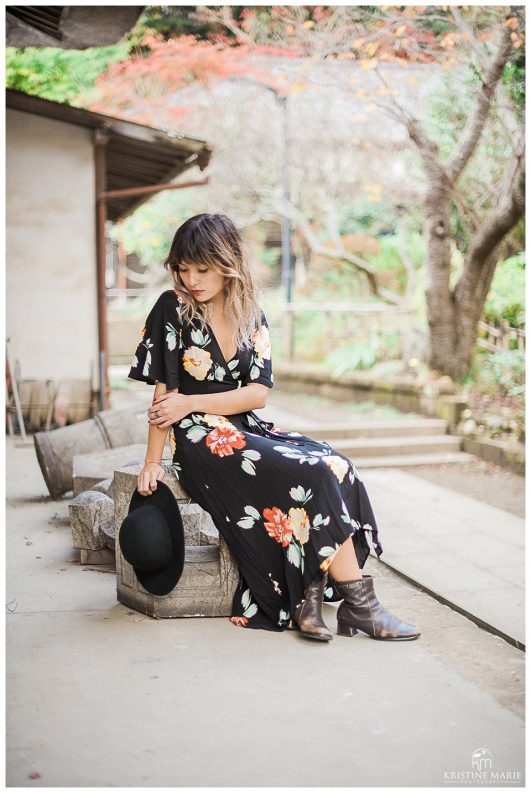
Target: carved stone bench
210, 574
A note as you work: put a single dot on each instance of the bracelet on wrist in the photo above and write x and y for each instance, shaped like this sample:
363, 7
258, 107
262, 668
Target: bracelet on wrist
157, 462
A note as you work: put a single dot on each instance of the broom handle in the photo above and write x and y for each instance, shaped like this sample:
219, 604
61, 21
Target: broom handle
15, 394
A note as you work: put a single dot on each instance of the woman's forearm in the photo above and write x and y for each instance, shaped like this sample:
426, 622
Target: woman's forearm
156, 435
248, 397
156, 441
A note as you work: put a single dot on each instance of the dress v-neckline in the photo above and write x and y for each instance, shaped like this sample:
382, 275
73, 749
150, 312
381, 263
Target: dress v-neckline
219, 348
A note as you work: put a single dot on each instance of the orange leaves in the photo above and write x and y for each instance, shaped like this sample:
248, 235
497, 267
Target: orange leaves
139, 87
296, 87
369, 48
449, 64
449, 40
319, 13
516, 38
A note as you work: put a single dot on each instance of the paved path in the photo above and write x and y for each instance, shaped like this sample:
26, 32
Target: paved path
469, 552
100, 696
464, 550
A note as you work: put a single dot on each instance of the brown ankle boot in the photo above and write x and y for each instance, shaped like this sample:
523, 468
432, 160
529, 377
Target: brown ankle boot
308, 613
362, 610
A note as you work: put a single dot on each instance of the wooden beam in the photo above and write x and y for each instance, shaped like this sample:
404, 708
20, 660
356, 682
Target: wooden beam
155, 188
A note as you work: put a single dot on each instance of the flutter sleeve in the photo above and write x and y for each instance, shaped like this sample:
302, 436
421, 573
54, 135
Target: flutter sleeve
261, 368
156, 359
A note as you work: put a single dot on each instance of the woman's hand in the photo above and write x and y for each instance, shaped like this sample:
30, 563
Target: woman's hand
168, 409
148, 477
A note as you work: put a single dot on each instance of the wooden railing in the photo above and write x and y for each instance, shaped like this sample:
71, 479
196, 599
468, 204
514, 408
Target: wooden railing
499, 338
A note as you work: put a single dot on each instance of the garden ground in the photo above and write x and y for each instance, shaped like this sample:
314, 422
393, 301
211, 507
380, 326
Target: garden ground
100, 695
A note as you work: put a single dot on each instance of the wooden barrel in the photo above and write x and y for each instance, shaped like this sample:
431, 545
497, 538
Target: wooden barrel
108, 429
121, 427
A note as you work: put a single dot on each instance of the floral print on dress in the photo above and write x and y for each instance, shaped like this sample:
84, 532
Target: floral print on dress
223, 440
283, 502
197, 362
261, 353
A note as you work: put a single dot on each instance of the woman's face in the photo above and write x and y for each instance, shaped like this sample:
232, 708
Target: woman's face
201, 280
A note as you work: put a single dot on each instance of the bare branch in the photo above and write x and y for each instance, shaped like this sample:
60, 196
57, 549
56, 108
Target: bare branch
479, 116
428, 148
339, 253
470, 37
510, 209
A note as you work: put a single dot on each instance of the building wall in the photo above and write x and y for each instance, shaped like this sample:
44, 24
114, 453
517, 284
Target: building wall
51, 295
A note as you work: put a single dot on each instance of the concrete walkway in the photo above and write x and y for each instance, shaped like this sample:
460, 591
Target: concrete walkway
467, 552
470, 553
100, 696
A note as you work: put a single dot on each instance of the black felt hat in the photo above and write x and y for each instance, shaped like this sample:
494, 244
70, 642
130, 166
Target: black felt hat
151, 539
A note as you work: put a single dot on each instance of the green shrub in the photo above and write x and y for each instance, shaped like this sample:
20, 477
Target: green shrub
507, 292
365, 355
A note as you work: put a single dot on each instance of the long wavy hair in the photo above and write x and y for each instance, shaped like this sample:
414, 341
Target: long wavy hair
214, 241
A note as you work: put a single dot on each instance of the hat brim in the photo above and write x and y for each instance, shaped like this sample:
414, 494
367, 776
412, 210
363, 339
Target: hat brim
163, 581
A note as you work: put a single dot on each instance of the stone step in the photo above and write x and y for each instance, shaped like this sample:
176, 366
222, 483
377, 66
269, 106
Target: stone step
369, 429
402, 460
424, 444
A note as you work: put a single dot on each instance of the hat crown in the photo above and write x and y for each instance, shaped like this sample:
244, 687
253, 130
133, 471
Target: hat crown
145, 539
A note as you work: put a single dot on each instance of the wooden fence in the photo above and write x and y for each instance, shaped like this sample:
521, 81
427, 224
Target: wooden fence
499, 338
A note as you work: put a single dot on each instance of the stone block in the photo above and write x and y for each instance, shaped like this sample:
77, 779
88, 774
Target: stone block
105, 486
89, 511
91, 468
104, 556
109, 534
192, 516
210, 574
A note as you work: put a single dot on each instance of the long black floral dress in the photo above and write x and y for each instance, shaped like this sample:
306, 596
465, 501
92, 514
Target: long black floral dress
283, 502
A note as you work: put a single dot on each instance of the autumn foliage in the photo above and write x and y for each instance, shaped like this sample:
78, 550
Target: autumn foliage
156, 84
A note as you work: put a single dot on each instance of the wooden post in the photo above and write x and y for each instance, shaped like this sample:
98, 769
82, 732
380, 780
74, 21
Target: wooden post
100, 140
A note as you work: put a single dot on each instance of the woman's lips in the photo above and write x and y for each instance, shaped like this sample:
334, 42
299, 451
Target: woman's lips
197, 291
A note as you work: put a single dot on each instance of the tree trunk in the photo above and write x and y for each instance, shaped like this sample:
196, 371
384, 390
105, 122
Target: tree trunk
453, 315
440, 308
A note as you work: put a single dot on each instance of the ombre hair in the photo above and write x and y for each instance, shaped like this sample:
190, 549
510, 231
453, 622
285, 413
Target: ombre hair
214, 241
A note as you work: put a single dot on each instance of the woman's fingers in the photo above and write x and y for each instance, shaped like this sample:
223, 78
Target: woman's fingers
162, 423
159, 421
147, 481
144, 484
141, 487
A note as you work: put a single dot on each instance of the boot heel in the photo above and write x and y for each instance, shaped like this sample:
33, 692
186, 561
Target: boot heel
344, 629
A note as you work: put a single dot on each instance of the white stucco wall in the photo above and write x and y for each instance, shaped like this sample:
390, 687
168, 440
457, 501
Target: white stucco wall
51, 311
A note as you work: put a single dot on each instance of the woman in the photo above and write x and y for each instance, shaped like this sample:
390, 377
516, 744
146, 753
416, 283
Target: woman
293, 511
